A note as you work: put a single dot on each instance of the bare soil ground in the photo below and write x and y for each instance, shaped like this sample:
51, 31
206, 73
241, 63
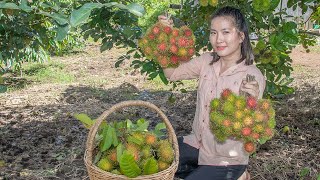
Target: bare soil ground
40, 139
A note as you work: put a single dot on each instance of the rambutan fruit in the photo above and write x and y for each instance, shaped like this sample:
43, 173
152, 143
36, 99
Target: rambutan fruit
165, 151
163, 61
156, 30
175, 32
191, 51
146, 152
247, 120
203, 3
190, 42
225, 93
258, 128
167, 29
174, 59
251, 102
182, 42
238, 114
148, 50
182, 52
186, 31
134, 150
214, 104
268, 132
163, 165
163, 37
216, 117
249, 147
240, 102
272, 123
264, 104
174, 49
173, 40
271, 113
246, 131
112, 155
184, 58
237, 126
162, 47
231, 98
151, 139
258, 116
213, 3
226, 123
105, 164
255, 135
151, 36
228, 108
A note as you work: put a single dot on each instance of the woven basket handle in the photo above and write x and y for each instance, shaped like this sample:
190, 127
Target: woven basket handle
105, 114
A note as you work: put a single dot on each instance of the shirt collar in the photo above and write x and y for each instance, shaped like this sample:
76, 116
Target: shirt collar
233, 69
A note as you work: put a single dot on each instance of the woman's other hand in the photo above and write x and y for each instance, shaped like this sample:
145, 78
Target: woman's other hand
165, 20
252, 88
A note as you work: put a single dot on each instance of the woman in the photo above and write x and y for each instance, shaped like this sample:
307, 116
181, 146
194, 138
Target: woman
201, 156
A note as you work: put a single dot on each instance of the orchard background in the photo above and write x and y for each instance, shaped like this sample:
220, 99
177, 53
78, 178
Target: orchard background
63, 57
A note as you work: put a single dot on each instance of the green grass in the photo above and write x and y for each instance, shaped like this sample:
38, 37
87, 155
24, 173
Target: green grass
51, 72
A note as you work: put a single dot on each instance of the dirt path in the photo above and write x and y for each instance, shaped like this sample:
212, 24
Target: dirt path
39, 138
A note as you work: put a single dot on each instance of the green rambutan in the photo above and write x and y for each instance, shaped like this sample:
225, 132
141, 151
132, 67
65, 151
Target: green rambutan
231, 98
228, 108
163, 165
264, 104
258, 128
134, 150
216, 117
238, 114
112, 155
165, 151
237, 126
214, 104
272, 123
240, 102
182, 52
105, 164
146, 152
213, 3
203, 3
163, 37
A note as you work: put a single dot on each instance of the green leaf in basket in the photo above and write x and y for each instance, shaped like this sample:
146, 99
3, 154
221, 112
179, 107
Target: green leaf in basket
97, 157
120, 149
158, 130
150, 167
129, 166
115, 141
107, 139
129, 124
85, 119
142, 125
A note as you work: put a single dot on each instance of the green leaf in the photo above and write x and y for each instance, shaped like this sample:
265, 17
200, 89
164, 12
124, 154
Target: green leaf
183, 90
120, 149
318, 178
106, 46
62, 32
24, 6
82, 14
97, 157
128, 165
305, 171
163, 78
4, 5
151, 166
136, 9
107, 139
142, 125
61, 19
115, 140
85, 119
160, 126
3, 89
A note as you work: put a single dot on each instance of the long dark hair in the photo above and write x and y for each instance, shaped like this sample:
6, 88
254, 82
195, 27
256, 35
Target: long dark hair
241, 25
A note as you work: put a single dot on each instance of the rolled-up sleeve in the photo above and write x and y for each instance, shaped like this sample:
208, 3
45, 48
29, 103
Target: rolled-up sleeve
190, 69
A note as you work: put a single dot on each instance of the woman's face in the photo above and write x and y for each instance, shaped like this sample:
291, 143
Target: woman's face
225, 38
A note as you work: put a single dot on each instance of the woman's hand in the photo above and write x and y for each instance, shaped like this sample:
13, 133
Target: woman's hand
252, 88
167, 21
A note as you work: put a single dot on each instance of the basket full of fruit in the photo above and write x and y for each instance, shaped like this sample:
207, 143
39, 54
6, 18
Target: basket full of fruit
131, 150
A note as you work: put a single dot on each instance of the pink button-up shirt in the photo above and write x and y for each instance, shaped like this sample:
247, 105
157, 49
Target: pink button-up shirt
210, 86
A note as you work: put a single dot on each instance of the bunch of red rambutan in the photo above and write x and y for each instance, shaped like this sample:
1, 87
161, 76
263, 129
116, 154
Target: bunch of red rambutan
242, 118
168, 46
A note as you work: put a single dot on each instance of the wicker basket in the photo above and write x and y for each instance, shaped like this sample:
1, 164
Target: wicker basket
95, 173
